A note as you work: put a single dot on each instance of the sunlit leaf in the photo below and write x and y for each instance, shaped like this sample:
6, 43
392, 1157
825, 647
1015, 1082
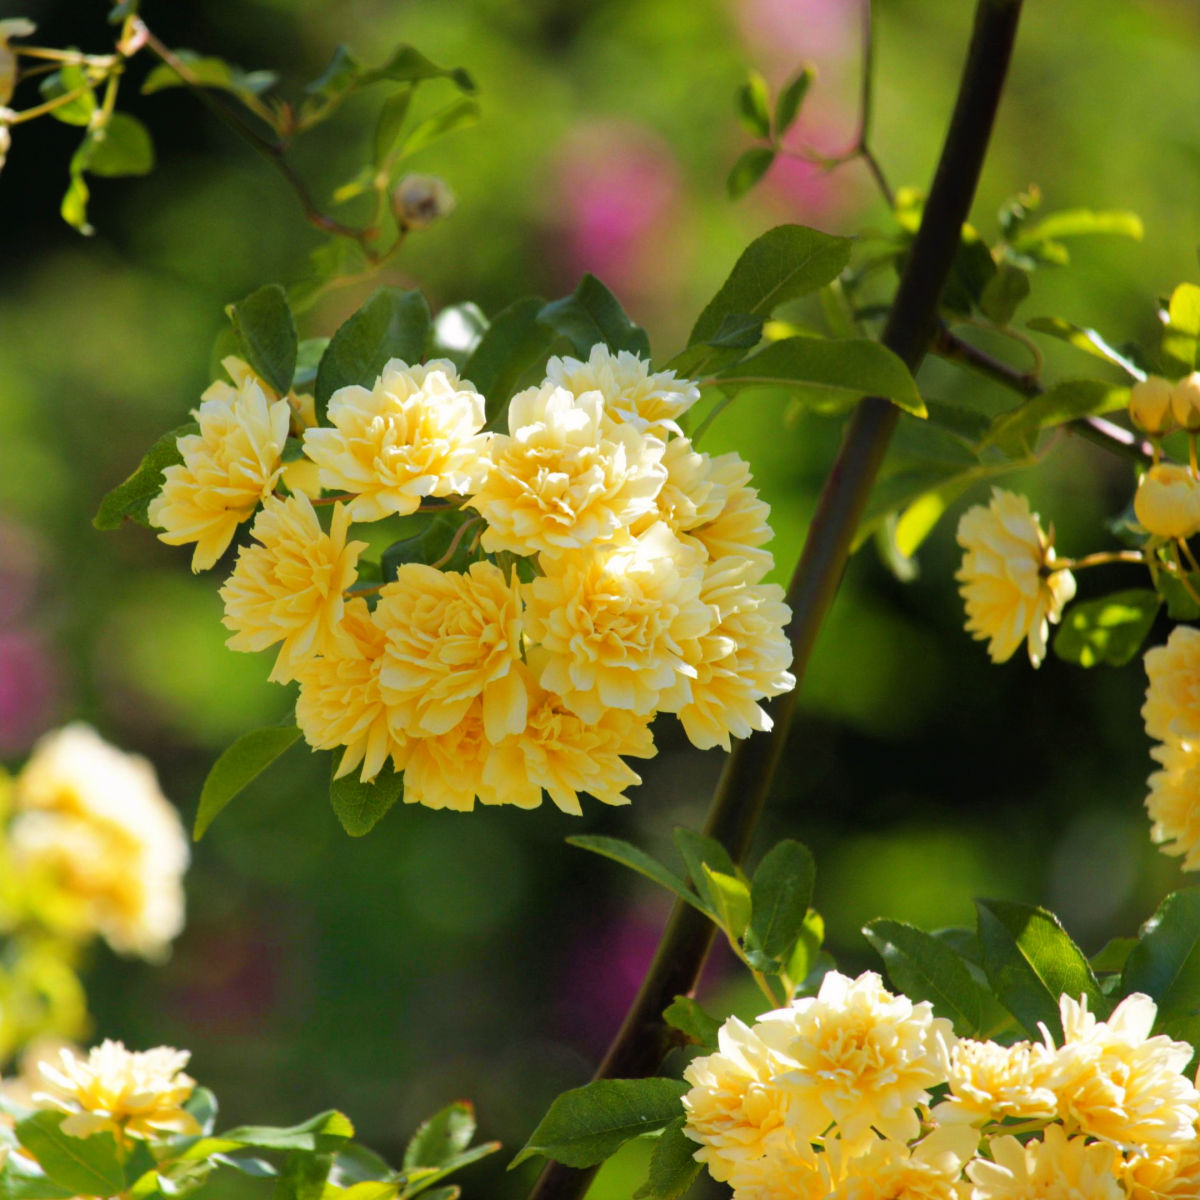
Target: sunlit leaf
673, 1165
1080, 222
753, 105
1087, 340
1110, 630
90, 1166
684, 1014
787, 106
750, 167
1165, 964
239, 766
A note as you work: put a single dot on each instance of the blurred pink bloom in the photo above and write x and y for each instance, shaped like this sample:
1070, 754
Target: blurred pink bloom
20, 566
787, 32
28, 690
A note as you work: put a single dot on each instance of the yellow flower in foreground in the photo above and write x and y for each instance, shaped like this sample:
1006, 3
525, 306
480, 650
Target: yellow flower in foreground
889, 1170
650, 401
990, 1082
447, 769
452, 637
744, 657
129, 1093
1167, 502
566, 755
1174, 801
1172, 705
1117, 1083
740, 527
228, 468
621, 624
1009, 592
565, 477
690, 495
94, 827
1054, 1168
864, 1058
340, 703
289, 588
735, 1104
415, 433
787, 1169
1174, 1175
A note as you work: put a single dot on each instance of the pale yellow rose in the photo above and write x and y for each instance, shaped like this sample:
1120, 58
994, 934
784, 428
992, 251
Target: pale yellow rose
1167, 502
890, 1170
1011, 593
990, 1082
1172, 707
691, 495
740, 528
1053, 1167
788, 1168
1172, 1175
1173, 803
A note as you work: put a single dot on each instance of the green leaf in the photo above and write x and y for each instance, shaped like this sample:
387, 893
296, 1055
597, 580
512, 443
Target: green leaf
972, 269
390, 123
1165, 963
684, 1014
783, 264
373, 1189
804, 955
323, 1134
130, 499
1066, 401
458, 115
673, 1166
738, 331
781, 892
212, 72
303, 1176
421, 1178
1181, 606
1087, 340
584, 1126
753, 105
122, 146
730, 897
1080, 222
23, 1179
1109, 630
1003, 293
1031, 962
1181, 333
202, 1104
446, 1134
73, 207
853, 366
90, 1166
70, 78
391, 324
637, 860
361, 806
308, 359
266, 332
591, 315
787, 106
1113, 955
699, 851
750, 167
408, 65
925, 968
513, 342
238, 766
340, 75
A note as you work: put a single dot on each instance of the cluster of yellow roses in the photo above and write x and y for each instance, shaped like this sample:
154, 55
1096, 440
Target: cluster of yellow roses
831, 1098
618, 573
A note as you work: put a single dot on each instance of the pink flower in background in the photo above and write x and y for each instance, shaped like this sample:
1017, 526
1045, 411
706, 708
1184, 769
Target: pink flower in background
786, 32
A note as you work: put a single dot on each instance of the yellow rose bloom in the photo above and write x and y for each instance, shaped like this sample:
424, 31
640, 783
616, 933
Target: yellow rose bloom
1174, 1175
1172, 707
559, 752
451, 638
650, 401
621, 624
289, 588
734, 1103
864, 1058
415, 433
94, 832
1173, 803
564, 477
228, 468
340, 703
1115, 1082
991, 1082
740, 527
1167, 502
1010, 593
889, 1170
138, 1094
447, 770
787, 1169
1053, 1168
744, 657
690, 495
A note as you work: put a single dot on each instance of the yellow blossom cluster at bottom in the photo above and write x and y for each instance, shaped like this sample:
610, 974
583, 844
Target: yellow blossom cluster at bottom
830, 1098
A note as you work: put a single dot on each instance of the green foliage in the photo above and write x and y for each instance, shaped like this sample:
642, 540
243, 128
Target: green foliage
641, 862
266, 332
391, 324
748, 170
1015, 430
361, 806
753, 105
513, 343
790, 100
459, 114
122, 146
70, 80
130, 499
210, 72
446, 1134
90, 1166
1165, 965
592, 315
1110, 630
1003, 293
586, 1125
1087, 340
685, 1015
781, 892
239, 766
1181, 326
673, 1166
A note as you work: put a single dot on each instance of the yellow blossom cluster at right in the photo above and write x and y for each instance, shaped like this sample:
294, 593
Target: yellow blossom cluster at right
831, 1098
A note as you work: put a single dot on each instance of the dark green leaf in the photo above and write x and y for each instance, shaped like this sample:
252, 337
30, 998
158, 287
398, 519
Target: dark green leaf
408, 65
1087, 340
354, 1163
783, 264
1066, 401
462, 113
202, 1104
753, 105
70, 78
781, 892
684, 1014
339, 76
303, 1176
584, 1126
1109, 630
1165, 963
787, 106
391, 324
925, 968
592, 315
1078, 222
130, 499
1031, 962
208, 71
1113, 955
122, 146
854, 366
446, 1134
1181, 605
970, 273
360, 806
1003, 293
90, 1166
805, 951
672, 1165
738, 331
513, 342
322, 1134
266, 331
750, 167
238, 766
637, 860
390, 123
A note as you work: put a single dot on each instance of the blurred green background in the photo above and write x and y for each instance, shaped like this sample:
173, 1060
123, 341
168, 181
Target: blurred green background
452, 956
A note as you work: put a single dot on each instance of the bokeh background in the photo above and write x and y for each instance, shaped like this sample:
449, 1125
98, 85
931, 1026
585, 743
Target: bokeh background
451, 956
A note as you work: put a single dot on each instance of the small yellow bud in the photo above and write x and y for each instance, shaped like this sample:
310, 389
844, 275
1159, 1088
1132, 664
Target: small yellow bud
1150, 404
1185, 402
1167, 502
419, 200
